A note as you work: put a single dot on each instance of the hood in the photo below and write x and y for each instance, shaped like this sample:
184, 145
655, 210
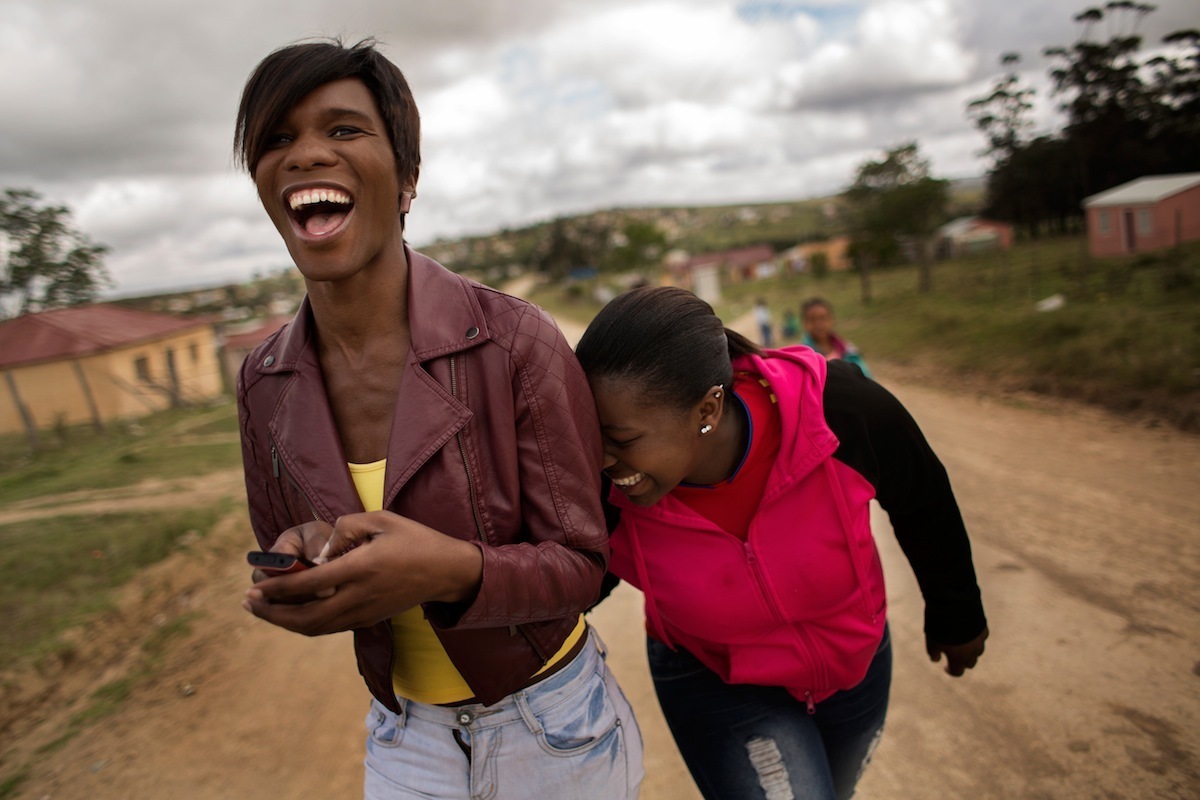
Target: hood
797, 377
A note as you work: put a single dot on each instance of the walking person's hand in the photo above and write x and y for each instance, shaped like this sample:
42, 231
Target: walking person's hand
959, 657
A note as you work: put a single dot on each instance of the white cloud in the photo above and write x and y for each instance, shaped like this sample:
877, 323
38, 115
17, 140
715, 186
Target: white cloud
124, 110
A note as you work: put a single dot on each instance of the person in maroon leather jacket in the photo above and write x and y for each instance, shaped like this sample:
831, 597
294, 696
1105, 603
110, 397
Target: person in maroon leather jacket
432, 444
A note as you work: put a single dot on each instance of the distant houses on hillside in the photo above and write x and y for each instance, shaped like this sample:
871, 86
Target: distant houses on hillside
831, 254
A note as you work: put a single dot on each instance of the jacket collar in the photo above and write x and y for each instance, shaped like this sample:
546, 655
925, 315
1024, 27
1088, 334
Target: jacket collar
444, 316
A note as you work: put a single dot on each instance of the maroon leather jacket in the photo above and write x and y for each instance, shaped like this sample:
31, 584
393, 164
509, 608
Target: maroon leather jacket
494, 441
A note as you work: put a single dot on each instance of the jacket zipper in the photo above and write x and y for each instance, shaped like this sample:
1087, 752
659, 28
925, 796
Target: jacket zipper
761, 583
282, 473
462, 452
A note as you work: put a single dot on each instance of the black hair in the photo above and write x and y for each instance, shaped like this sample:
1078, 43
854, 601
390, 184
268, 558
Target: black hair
286, 76
813, 302
664, 339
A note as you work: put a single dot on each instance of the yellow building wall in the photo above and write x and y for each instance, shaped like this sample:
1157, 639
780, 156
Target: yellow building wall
53, 393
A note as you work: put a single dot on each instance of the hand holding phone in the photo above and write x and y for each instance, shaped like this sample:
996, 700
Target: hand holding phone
277, 563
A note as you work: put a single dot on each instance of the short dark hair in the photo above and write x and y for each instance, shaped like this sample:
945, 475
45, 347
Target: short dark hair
283, 78
813, 302
665, 340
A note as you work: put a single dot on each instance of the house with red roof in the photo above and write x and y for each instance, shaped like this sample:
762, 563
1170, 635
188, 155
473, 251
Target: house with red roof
99, 363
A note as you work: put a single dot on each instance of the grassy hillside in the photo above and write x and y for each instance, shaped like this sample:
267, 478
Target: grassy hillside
59, 568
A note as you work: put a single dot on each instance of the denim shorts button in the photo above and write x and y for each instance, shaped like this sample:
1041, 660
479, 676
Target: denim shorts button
465, 717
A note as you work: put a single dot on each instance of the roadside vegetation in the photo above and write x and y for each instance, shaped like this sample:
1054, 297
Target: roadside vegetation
1122, 333
64, 573
58, 570
171, 444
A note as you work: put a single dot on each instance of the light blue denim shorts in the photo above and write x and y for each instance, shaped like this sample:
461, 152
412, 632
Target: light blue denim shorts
571, 735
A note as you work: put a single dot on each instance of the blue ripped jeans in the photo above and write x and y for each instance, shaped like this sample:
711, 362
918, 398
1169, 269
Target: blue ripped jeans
744, 741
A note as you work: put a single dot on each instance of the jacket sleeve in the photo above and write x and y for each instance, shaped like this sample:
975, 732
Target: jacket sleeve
254, 454
557, 571
880, 439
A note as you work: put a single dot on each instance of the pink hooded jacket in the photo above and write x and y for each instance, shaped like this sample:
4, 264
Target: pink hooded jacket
801, 603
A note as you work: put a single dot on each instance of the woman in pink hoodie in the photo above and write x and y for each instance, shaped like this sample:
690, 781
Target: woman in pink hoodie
743, 478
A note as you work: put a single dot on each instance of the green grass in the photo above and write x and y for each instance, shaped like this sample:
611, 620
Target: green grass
12, 784
1127, 337
58, 572
172, 444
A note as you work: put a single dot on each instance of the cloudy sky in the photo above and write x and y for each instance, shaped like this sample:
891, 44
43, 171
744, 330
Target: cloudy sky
123, 109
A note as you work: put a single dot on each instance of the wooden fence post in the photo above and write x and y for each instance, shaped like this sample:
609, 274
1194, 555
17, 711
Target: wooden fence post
97, 423
26, 418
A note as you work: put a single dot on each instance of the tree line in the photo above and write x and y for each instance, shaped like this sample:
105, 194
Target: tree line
1127, 114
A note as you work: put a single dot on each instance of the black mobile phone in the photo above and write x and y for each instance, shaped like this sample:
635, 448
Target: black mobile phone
277, 562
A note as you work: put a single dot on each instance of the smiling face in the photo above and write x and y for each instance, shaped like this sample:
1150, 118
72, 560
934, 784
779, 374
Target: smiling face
649, 447
327, 178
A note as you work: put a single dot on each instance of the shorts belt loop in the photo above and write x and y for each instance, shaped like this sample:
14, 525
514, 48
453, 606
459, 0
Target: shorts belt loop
521, 700
599, 642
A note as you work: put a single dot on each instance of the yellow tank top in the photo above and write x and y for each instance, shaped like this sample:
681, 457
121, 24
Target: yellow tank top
422, 671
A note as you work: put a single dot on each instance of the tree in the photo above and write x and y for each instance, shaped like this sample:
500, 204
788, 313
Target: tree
638, 244
1003, 115
891, 200
44, 262
570, 244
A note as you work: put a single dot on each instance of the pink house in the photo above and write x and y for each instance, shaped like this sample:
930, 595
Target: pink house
1145, 214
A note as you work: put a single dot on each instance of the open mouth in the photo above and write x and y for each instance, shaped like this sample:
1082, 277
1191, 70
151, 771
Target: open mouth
321, 211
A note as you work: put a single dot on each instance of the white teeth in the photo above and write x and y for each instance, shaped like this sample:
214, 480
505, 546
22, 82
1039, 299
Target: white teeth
630, 481
306, 197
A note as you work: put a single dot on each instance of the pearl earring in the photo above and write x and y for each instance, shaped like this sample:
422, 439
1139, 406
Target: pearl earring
705, 429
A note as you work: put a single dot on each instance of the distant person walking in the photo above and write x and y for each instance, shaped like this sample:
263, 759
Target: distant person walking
762, 315
743, 479
791, 325
819, 335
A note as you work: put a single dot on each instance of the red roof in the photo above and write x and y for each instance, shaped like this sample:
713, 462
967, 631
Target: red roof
249, 339
82, 331
740, 257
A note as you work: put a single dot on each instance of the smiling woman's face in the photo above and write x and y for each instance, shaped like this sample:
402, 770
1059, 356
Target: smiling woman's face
327, 179
649, 447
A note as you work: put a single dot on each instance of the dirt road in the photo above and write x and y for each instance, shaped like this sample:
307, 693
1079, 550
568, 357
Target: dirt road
1085, 532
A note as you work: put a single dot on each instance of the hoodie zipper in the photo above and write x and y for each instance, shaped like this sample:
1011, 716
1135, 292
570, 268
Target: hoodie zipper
761, 584
462, 451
